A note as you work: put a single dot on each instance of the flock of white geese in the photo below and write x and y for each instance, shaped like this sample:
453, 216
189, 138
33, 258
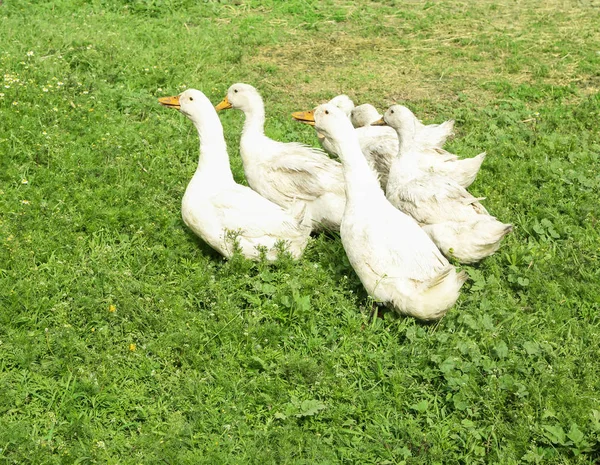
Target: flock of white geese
398, 200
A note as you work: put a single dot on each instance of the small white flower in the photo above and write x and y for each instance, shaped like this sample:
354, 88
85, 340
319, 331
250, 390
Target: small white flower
30, 53
60, 83
1, 94
15, 103
85, 92
45, 89
24, 181
25, 202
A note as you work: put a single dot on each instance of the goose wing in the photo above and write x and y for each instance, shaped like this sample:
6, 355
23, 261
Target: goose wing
306, 172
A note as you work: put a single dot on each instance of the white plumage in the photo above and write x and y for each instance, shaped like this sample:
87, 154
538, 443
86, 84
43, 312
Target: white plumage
286, 172
456, 221
379, 144
395, 260
219, 210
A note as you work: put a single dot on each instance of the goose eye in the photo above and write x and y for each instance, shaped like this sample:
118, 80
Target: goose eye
392, 112
235, 90
191, 99
326, 112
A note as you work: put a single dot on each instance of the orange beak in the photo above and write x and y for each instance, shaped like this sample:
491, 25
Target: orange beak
379, 122
224, 105
171, 102
306, 117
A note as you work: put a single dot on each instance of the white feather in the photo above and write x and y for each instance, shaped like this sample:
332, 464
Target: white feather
454, 219
380, 146
286, 173
222, 212
395, 260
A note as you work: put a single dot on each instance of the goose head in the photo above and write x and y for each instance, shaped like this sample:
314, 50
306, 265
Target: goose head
197, 107
401, 119
329, 121
333, 123
364, 115
344, 103
192, 103
241, 97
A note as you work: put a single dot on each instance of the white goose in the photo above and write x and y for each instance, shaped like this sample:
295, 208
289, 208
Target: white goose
379, 166
435, 159
344, 103
395, 260
426, 135
286, 172
454, 219
430, 135
221, 211
379, 145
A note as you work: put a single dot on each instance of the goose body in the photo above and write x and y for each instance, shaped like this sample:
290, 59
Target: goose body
222, 212
433, 135
468, 241
286, 172
455, 220
396, 261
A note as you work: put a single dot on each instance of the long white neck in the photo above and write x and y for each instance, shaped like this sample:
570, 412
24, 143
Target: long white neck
255, 118
361, 183
407, 162
214, 161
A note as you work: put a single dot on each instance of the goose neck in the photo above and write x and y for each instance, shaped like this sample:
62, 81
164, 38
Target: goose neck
213, 161
362, 184
255, 119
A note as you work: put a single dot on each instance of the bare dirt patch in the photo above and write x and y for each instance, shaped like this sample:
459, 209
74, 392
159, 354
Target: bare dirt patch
440, 58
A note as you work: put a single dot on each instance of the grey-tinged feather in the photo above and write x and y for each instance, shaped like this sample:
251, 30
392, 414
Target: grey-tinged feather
306, 172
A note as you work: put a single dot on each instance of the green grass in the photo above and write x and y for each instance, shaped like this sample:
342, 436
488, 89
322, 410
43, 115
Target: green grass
208, 361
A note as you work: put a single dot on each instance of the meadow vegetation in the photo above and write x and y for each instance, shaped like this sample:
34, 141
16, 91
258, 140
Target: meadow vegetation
125, 339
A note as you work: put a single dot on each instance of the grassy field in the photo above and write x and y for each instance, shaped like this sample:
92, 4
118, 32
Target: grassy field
124, 339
